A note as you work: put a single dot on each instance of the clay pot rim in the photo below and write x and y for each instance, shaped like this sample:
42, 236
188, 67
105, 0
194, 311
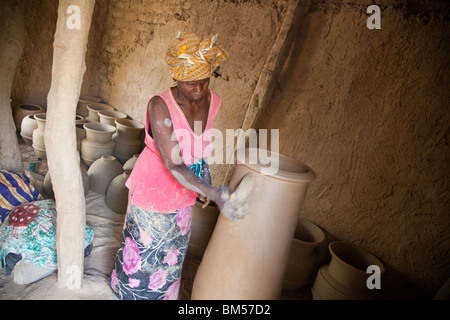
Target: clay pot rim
311, 243
130, 124
332, 248
111, 114
98, 106
305, 176
34, 106
99, 127
85, 98
40, 116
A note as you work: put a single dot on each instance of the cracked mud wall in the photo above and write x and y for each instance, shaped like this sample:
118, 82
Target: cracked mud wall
366, 109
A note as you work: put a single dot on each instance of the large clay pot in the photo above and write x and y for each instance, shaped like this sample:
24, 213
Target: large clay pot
98, 141
345, 277
94, 108
82, 102
129, 164
202, 227
127, 138
29, 124
38, 135
48, 186
109, 116
116, 197
302, 262
102, 172
20, 111
246, 259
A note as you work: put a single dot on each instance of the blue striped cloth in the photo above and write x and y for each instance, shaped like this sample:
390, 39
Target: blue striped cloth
15, 189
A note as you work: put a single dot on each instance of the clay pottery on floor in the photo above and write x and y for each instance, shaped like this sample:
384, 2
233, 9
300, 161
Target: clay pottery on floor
94, 108
38, 135
102, 172
116, 197
20, 111
127, 138
98, 141
48, 187
109, 116
129, 164
82, 102
345, 277
247, 258
29, 124
302, 262
202, 226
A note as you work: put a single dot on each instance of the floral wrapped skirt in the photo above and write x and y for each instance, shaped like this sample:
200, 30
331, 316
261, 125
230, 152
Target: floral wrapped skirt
150, 258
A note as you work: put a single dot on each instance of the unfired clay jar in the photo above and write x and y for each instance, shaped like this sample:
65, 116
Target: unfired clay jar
246, 259
202, 226
345, 277
29, 124
127, 138
82, 102
102, 172
20, 111
98, 141
116, 197
129, 164
38, 135
302, 262
94, 108
48, 187
109, 116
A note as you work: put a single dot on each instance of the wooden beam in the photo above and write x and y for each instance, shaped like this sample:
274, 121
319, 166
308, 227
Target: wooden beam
69, 49
272, 68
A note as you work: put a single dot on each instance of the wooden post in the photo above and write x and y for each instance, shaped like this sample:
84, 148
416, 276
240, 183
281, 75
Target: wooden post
69, 48
12, 37
271, 70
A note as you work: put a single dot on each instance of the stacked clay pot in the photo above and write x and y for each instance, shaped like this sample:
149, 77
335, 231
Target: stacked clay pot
345, 277
38, 135
82, 102
109, 116
129, 164
94, 108
102, 172
247, 258
127, 138
202, 227
98, 141
29, 124
303, 258
20, 111
116, 197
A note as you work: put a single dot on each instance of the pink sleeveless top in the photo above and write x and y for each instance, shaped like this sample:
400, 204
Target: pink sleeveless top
151, 186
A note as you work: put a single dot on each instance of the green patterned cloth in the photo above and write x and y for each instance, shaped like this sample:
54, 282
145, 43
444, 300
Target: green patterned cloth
30, 231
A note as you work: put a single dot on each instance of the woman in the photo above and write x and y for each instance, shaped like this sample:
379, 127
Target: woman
169, 175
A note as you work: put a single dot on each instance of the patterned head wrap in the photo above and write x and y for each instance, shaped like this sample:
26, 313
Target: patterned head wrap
190, 59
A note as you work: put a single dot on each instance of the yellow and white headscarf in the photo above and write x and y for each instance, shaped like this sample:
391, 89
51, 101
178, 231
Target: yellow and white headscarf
191, 59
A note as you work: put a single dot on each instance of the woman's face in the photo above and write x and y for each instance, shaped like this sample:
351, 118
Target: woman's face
194, 90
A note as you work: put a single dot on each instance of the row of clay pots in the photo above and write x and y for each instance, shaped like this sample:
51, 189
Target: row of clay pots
122, 140
107, 176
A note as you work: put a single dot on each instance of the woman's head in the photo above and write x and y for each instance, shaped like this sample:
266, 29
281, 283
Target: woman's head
191, 59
